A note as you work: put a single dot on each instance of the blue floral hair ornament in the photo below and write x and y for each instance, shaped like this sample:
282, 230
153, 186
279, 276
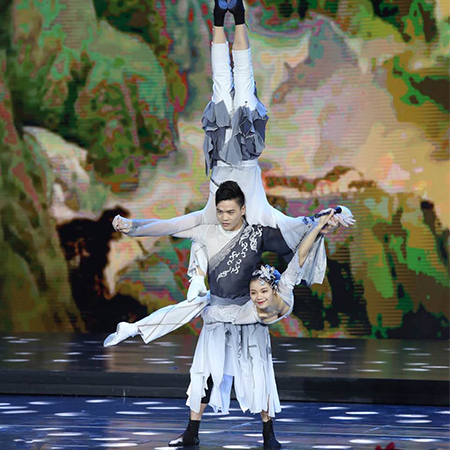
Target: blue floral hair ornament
268, 274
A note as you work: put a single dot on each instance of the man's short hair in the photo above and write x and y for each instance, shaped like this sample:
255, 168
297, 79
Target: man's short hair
230, 190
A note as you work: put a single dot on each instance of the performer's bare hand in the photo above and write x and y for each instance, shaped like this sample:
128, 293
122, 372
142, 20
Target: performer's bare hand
121, 224
328, 223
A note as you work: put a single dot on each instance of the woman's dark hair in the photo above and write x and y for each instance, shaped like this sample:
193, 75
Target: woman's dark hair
230, 190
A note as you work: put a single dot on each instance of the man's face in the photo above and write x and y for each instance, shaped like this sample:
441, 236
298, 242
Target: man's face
230, 214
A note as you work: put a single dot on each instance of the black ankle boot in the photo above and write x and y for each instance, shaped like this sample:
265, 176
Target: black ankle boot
270, 442
236, 7
220, 9
189, 437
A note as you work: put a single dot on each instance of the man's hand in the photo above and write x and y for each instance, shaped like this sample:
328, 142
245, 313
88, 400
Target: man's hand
121, 224
197, 288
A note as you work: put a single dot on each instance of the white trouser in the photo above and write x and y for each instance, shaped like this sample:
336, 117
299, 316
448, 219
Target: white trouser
224, 79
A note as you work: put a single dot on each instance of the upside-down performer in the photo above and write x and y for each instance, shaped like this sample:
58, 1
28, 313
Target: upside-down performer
229, 236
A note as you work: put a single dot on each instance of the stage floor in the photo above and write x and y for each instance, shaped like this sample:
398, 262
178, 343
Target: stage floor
61, 423
319, 370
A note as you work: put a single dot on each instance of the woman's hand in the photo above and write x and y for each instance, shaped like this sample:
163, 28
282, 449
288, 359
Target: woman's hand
328, 223
121, 224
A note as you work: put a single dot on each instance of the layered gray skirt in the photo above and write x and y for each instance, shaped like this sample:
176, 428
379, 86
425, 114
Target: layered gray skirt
239, 353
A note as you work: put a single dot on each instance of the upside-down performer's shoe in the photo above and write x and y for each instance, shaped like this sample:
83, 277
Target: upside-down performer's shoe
124, 331
220, 9
189, 438
236, 7
270, 442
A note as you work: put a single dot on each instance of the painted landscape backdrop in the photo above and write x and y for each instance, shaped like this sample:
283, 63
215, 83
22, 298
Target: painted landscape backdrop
100, 107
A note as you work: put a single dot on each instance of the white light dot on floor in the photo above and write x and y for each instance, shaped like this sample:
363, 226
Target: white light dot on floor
145, 433
167, 344
363, 441
112, 439
289, 420
63, 360
411, 416
345, 418
5, 404
332, 408
64, 434
326, 346
208, 432
255, 435
147, 403
183, 357
330, 349
369, 370
410, 348
424, 440
236, 446
161, 362
413, 369
419, 354
442, 412
99, 400
20, 411
347, 348
334, 362
47, 429
281, 442
287, 406
286, 345
438, 367
376, 362
165, 407
309, 365
119, 444
362, 413
13, 407
69, 414
417, 364
244, 419
41, 403
133, 413
73, 353
414, 421
15, 360
296, 350
332, 446
279, 362
325, 368
23, 353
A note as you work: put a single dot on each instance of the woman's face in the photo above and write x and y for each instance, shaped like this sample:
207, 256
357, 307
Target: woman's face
261, 294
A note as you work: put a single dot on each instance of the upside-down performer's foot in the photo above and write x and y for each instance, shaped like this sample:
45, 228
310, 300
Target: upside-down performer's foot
270, 441
189, 438
124, 331
220, 9
236, 7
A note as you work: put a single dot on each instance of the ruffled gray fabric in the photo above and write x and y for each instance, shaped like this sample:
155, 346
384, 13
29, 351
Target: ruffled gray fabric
248, 134
228, 352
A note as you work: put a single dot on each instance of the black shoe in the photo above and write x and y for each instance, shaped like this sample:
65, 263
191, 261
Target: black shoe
220, 9
189, 438
236, 7
270, 442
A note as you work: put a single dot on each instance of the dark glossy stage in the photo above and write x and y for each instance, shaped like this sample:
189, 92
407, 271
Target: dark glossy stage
76, 423
333, 370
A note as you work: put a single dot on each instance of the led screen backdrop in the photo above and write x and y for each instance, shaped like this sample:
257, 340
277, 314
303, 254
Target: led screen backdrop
100, 105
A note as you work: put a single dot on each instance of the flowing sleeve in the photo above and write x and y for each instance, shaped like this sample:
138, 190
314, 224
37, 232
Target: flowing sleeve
235, 314
166, 227
170, 318
314, 268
